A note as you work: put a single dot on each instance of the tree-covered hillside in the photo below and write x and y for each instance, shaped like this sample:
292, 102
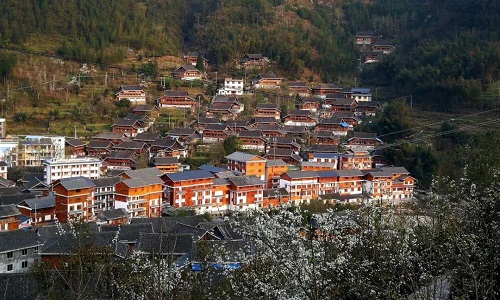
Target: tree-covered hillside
448, 52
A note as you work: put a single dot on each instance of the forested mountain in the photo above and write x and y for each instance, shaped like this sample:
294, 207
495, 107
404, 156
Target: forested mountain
447, 51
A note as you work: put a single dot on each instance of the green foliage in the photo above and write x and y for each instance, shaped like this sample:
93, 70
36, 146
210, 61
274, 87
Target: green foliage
395, 120
149, 70
124, 103
7, 63
199, 62
20, 117
231, 144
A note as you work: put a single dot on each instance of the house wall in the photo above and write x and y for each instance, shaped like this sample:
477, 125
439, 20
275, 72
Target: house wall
20, 260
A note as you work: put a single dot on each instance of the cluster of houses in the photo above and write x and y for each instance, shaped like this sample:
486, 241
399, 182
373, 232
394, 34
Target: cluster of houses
377, 48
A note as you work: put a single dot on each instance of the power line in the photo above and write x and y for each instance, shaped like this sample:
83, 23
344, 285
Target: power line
440, 122
438, 134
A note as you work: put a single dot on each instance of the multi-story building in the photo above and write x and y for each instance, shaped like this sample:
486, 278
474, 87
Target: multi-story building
55, 169
104, 193
40, 211
246, 192
267, 81
232, 87
301, 185
133, 93
267, 110
19, 250
176, 99
189, 188
141, 195
247, 164
34, 149
74, 199
301, 118
274, 169
355, 158
299, 88
10, 217
188, 73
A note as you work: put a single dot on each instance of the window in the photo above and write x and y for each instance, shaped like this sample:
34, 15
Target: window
9, 267
10, 254
24, 264
24, 252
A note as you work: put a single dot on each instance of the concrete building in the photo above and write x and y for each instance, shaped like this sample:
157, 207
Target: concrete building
55, 169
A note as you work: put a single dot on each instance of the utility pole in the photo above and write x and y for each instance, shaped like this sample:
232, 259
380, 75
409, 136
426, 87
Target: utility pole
106, 79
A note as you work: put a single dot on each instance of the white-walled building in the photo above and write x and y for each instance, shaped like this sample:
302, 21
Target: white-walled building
232, 87
55, 169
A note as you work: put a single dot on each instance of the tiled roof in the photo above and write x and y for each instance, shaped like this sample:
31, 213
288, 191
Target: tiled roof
121, 154
75, 143
9, 211
240, 156
301, 174
18, 239
109, 136
211, 168
113, 214
349, 173
140, 182
165, 243
100, 144
130, 145
396, 170
163, 161
75, 183
40, 203
189, 175
272, 193
245, 180
143, 136
276, 163
144, 173
106, 181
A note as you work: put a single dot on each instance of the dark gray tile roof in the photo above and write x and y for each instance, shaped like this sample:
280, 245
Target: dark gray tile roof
76, 183
100, 144
9, 210
113, 214
163, 161
189, 175
132, 88
162, 244
39, 203
301, 174
276, 162
211, 169
136, 183
144, 173
121, 154
106, 181
396, 170
135, 145
18, 239
273, 193
129, 233
245, 180
241, 156
143, 136
110, 136
349, 173
75, 142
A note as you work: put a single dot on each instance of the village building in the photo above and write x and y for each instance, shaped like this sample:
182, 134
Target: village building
191, 58
74, 199
75, 147
274, 169
168, 148
246, 192
121, 160
300, 118
247, 164
384, 47
324, 89
167, 164
299, 88
366, 139
55, 169
189, 188
116, 216
104, 193
301, 185
150, 110
176, 99
40, 211
187, 73
99, 149
232, 87
267, 110
134, 93
364, 38
267, 81
10, 217
19, 251
253, 61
